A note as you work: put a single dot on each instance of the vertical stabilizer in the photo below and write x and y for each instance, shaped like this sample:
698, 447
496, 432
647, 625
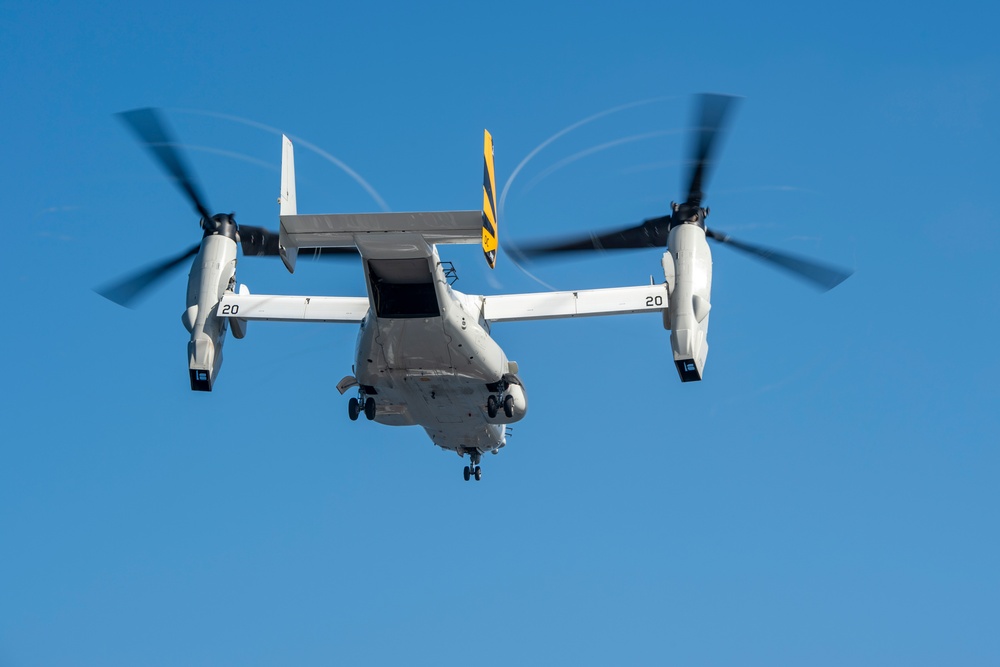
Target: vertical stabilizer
286, 200
490, 237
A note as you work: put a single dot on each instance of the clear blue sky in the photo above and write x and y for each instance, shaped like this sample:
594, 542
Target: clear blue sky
826, 496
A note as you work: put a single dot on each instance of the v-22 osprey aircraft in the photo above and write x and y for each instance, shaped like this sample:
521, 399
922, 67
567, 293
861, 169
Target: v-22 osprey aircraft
425, 355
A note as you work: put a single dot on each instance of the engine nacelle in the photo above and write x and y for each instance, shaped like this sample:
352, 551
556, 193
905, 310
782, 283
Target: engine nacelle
688, 272
213, 272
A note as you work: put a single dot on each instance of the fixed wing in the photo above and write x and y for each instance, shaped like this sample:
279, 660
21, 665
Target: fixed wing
424, 354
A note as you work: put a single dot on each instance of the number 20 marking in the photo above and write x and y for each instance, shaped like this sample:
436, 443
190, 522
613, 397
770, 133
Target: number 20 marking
654, 301
232, 308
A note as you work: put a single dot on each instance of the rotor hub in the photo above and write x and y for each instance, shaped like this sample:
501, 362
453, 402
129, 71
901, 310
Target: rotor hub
223, 224
687, 214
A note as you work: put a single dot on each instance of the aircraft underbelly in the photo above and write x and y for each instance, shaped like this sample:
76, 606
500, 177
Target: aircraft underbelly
450, 408
417, 343
411, 364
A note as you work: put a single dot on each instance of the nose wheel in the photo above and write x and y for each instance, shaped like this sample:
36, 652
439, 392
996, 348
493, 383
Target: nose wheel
474, 470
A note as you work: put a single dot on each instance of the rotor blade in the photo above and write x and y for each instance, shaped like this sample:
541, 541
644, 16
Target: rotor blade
821, 276
709, 126
652, 233
126, 291
151, 129
261, 242
257, 241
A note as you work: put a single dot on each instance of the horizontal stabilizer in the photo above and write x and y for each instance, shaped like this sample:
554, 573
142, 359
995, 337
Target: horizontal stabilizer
347, 229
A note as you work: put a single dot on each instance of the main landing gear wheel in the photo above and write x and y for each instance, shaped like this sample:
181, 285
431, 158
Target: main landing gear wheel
508, 405
466, 473
353, 409
492, 406
479, 473
370, 408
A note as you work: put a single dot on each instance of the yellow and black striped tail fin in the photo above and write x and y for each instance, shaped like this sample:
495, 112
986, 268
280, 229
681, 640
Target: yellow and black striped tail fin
490, 238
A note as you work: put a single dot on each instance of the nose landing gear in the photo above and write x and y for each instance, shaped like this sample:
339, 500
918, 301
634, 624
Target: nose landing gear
474, 470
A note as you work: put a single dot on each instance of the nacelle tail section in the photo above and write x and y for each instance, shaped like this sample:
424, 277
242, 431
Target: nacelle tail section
204, 361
